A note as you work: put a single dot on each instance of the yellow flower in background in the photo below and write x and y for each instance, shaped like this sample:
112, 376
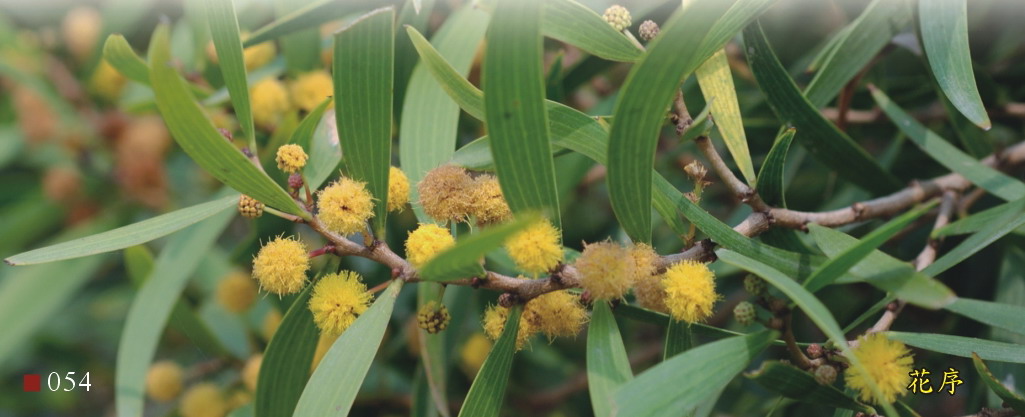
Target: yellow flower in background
427, 241
270, 324
445, 193
251, 371
269, 101
606, 270
690, 291
474, 352
398, 189
236, 292
107, 82
488, 204
254, 56
203, 400
81, 30
337, 300
310, 89
345, 206
281, 266
647, 286
886, 362
291, 158
536, 249
164, 381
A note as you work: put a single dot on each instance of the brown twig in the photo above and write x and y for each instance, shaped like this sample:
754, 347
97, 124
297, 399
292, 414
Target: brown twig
994, 412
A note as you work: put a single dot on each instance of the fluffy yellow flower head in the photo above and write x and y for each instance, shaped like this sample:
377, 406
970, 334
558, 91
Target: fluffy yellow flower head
251, 371
488, 204
269, 101
236, 292
426, 241
345, 206
606, 270
164, 381
536, 249
494, 322
690, 291
398, 189
270, 324
557, 313
647, 286
311, 88
291, 158
445, 193
203, 400
258, 55
281, 266
473, 353
106, 81
337, 300
887, 362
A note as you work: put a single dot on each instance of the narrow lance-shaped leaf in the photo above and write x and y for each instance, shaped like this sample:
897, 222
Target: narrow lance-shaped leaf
463, 259
800, 385
286, 361
963, 346
608, 367
514, 104
125, 236
578, 25
944, 32
678, 338
1013, 399
1004, 316
120, 55
716, 84
197, 136
228, 43
487, 393
1009, 221
320, 143
363, 66
311, 15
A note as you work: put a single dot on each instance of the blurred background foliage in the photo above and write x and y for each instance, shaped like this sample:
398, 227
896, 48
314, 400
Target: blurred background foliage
83, 150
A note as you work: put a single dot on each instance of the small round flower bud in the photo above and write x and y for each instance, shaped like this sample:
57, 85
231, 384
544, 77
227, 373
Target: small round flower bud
754, 285
281, 266
433, 317
425, 242
744, 312
203, 400
249, 207
815, 351
251, 371
295, 181
825, 374
648, 30
696, 171
164, 381
291, 158
617, 16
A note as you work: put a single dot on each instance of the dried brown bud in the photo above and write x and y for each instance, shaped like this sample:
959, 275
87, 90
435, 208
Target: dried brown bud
815, 351
295, 181
696, 171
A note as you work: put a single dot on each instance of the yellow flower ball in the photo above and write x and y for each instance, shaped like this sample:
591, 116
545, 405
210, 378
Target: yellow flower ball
445, 193
270, 324
647, 286
107, 82
398, 189
259, 55
345, 206
324, 343
558, 313
164, 381
606, 270
81, 29
886, 362
488, 205
337, 300
426, 241
236, 292
690, 291
251, 371
281, 266
474, 352
310, 89
269, 101
291, 158
203, 400
536, 249
494, 322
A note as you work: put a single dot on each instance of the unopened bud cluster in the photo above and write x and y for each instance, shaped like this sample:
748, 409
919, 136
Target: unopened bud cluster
617, 16
433, 317
249, 207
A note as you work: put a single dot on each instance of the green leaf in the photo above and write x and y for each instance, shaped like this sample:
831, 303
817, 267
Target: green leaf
311, 15
661, 319
608, 367
228, 43
463, 259
857, 45
1013, 399
816, 311
487, 393
332, 388
152, 306
198, 137
1004, 316
821, 137
695, 375
979, 221
794, 383
963, 346
646, 94
125, 236
578, 25
119, 54
996, 182
716, 84
843, 261
678, 339
301, 49
772, 189
514, 104
430, 118
433, 353
1009, 221
320, 143
287, 360
363, 77
944, 32
887, 273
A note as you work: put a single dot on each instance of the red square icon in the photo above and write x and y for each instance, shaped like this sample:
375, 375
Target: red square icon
31, 383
